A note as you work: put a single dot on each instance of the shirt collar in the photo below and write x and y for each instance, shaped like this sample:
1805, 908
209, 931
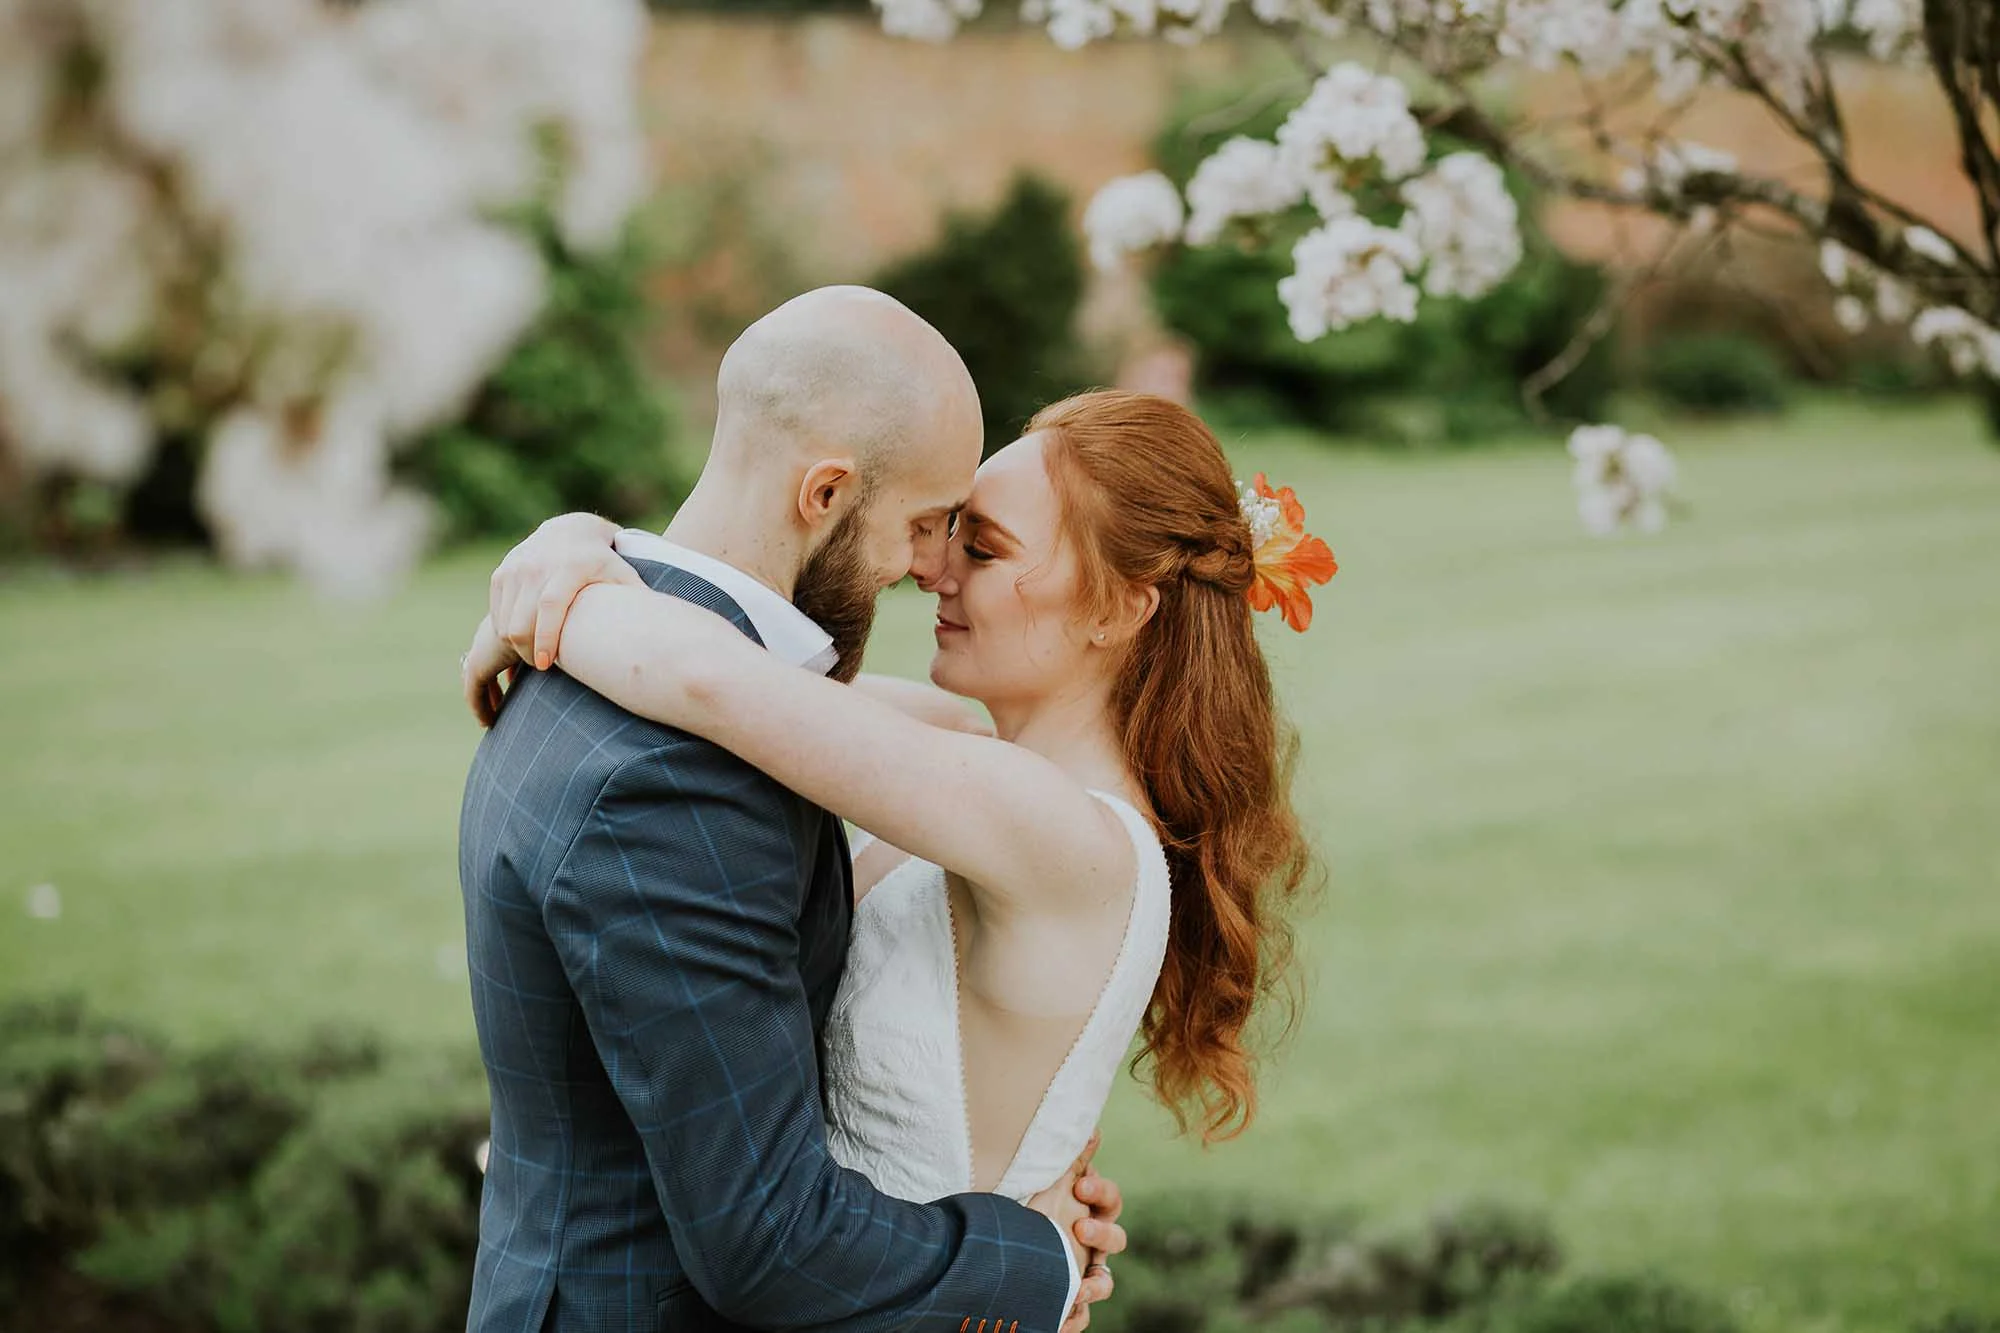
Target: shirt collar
787, 632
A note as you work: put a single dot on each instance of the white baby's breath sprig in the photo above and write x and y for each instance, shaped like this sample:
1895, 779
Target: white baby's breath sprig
1261, 513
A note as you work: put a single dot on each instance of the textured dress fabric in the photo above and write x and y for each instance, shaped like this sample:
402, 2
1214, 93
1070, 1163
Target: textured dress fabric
894, 1064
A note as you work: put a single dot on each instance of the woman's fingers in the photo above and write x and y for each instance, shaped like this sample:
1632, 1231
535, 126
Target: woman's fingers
551, 609
481, 672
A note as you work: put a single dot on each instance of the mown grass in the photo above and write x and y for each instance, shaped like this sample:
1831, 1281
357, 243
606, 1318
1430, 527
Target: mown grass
1664, 879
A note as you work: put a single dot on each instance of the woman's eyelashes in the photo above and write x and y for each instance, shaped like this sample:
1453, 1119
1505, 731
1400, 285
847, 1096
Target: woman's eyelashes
977, 556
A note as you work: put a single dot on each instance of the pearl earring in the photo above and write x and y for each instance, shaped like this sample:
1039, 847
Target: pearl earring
1100, 636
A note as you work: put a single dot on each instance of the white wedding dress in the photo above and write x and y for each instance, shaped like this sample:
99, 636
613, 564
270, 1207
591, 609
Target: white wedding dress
895, 1069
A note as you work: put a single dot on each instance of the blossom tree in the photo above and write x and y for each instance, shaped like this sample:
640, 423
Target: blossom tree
1387, 179
282, 227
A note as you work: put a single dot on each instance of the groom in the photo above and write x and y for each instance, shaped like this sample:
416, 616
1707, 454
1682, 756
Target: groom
656, 930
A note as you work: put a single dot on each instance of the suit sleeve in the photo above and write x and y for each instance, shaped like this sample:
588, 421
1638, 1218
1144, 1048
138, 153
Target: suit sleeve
674, 911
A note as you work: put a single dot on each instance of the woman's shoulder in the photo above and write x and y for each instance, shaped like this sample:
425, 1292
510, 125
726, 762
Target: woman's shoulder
1135, 814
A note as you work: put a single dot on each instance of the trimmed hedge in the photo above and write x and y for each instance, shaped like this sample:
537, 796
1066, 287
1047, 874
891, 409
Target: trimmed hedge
328, 1187
1717, 374
331, 1187
1194, 1266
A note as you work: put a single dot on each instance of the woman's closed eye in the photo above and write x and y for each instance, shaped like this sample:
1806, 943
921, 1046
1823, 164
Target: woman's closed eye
977, 556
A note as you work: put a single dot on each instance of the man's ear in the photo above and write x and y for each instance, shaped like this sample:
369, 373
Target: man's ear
826, 489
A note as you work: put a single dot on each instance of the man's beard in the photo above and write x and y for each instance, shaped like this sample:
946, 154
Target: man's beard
837, 592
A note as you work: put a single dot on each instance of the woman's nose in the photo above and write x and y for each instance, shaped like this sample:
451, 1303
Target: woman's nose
938, 576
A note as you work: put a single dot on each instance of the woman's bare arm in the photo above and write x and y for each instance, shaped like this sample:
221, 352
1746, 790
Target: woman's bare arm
926, 703
1004, 818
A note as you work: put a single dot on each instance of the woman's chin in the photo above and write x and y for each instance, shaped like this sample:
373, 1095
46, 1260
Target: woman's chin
945, 675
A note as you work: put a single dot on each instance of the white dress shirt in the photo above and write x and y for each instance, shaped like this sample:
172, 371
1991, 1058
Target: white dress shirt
787, 631
792, 636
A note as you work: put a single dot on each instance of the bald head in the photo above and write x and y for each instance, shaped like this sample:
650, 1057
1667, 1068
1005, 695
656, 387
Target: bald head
843, 371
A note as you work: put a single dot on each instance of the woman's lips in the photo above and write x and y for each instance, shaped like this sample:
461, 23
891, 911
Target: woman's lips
945, 625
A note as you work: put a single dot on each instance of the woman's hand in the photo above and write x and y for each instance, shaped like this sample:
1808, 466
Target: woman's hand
532, 590
485, 672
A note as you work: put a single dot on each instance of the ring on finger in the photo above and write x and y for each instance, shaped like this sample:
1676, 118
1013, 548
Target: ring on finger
1098, 1267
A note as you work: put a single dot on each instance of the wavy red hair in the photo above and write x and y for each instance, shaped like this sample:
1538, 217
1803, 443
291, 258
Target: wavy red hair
1147, 498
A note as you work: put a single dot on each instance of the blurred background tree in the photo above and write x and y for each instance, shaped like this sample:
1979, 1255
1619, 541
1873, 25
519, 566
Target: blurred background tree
1004, 288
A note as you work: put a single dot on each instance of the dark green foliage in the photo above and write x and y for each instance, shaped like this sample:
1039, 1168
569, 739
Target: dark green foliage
1717, 373
1989, 395
1004, 289
326, 1187
331, 1186
1461, 363
1602, 1305
1961, 1321
569, 420
1903, 374
1196, 1267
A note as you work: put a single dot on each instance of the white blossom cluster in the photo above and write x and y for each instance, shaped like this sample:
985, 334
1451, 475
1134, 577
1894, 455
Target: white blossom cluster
926, 20
1865, 296
1353, 121
1130, 214
1458, 235
1622, 480
1347, 271
1355, 132
288, 210
1891, 26
1245, 178
1970, 345
1465, 223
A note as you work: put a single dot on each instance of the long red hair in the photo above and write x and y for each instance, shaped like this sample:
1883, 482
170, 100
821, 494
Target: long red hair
1148, 499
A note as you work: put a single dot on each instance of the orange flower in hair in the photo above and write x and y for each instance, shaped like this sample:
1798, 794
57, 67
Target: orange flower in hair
1288, 559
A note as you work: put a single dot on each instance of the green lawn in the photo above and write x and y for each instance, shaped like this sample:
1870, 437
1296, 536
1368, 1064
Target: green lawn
1665, 874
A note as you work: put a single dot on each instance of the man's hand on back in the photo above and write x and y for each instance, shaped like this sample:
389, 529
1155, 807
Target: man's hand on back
1086, 1206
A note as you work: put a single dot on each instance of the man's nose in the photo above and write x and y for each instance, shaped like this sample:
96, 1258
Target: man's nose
927, 563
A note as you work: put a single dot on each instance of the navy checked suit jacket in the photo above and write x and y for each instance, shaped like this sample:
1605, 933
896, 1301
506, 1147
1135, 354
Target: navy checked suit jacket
656, 931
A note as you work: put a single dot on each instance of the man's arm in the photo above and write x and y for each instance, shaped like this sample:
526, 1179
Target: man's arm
674, 914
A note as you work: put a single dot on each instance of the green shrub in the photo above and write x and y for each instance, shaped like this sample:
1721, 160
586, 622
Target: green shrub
1961, 1321
330, 1186
1004, 289
1716, 373
1989, 396
1602, 1305
569, 420
1463, 361
1901, 375
1196, 1267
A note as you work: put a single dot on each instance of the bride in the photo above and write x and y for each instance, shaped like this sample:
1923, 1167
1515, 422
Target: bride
1116, 856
